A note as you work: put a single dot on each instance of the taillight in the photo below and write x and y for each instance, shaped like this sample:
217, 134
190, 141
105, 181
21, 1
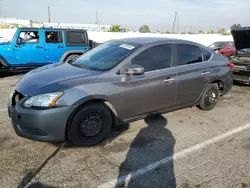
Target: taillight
231, 65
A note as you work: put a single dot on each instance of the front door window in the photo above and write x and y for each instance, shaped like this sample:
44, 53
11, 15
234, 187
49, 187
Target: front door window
29, 37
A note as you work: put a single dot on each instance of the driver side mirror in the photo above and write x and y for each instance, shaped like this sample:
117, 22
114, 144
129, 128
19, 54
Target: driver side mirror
135, 70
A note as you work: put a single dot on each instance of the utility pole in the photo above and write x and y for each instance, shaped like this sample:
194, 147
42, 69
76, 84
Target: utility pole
49, 19
177, 24
174, 22
97, 17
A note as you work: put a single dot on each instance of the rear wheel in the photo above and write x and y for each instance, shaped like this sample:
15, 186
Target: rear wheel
72, 57
210, 97
90, 125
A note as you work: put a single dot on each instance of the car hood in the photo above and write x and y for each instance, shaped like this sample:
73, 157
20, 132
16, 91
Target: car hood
54, 78
241, 38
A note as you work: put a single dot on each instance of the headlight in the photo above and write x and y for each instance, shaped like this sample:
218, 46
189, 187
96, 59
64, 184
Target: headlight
44, 100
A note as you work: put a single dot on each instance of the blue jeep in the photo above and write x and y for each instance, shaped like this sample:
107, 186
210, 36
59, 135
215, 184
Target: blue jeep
33, 47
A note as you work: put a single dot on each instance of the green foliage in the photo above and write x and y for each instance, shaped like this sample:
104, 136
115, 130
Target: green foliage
9, 26
116, 28
200, 32
144, 29
3, 26
235, 26
212, 32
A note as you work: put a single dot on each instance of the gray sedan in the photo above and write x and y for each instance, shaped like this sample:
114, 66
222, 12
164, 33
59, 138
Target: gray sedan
115, 83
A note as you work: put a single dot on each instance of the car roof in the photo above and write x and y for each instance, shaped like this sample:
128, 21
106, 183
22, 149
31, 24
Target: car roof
49, 28
150, 40
242, 29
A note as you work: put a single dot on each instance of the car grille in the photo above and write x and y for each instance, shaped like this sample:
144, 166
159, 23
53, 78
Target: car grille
16, 98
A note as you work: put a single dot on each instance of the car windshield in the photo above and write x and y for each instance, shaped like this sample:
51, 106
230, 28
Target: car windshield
106, 56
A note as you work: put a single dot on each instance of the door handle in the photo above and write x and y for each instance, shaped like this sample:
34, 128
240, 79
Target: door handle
169, 79
39, 47
205, 72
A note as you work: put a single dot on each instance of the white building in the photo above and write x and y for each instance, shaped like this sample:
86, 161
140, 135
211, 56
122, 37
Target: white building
30, 23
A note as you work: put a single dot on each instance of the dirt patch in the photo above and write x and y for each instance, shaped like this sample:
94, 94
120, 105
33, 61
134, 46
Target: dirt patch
4, 139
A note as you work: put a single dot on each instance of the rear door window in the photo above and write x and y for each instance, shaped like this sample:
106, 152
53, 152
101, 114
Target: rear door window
188, 54
154, 58
53, 37
76, 38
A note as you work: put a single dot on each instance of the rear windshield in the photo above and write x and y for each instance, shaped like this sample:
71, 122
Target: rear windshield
106, 56
219, 45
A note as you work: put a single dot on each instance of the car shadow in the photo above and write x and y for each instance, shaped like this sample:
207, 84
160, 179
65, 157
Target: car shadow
241, 84
141, 167
39, 185
9, 74
29, 176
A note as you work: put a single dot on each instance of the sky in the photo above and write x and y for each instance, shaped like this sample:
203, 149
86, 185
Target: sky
158, 14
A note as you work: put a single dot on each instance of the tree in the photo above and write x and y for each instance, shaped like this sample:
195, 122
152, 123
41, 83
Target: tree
222, 31
144, 29
200, 32
115, 28
235, 26
212, 32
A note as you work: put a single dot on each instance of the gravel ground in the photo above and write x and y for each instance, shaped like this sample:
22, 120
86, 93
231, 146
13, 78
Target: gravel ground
223, 163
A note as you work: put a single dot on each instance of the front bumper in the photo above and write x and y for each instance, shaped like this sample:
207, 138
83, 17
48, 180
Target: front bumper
241, 75
41, 125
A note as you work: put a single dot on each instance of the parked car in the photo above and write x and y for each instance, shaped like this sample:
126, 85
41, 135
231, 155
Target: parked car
241, 60
33, 47
225, 48
117, 82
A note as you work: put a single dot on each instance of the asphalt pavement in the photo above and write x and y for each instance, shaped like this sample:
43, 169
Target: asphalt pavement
188, 148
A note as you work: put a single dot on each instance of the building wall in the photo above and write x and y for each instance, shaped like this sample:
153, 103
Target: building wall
31, 23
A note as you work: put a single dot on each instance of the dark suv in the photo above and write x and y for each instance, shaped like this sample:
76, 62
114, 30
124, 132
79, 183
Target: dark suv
117, 82
241, 60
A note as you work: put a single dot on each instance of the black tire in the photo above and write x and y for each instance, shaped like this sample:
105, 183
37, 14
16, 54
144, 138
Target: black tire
210, 97
71, 57
90, 125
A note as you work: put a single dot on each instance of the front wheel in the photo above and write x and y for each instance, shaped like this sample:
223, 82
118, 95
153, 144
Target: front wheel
90, 125
210, 97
